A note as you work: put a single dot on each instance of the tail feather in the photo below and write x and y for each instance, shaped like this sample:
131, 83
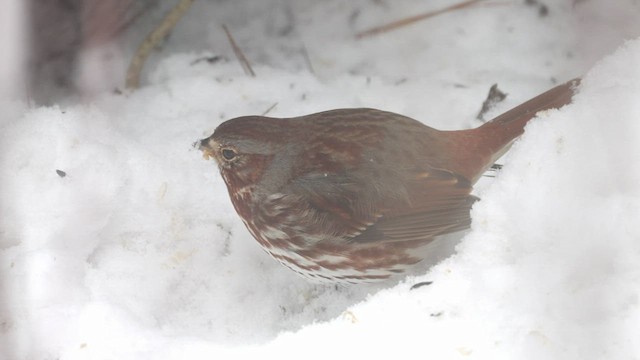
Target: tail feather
485, 144
552, 99
510, 125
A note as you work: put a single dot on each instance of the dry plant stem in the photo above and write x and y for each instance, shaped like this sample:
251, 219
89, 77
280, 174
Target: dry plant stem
307, 60
410, 20
152, 40
269, 109
239, 54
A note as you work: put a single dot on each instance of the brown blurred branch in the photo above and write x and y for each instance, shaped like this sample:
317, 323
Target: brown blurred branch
239, 54
410, 20
152, 40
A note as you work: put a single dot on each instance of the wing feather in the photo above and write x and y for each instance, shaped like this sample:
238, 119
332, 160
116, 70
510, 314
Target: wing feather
435, 202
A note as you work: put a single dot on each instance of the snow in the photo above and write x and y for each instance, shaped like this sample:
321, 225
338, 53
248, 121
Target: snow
136, 251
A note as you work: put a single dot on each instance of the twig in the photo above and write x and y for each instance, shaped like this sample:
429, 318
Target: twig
239, 54
152, 40
420, 284
307, 60
269, 109
412, 19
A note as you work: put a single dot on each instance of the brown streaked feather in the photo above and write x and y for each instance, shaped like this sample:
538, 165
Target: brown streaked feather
337, 202
439, 204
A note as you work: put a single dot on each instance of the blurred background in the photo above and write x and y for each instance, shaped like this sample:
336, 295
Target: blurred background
57, 48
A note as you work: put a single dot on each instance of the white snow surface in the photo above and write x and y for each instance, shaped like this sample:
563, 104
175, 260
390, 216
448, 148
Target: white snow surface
137, 252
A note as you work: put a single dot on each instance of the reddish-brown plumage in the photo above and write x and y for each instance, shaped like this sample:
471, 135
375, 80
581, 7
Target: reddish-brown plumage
355, 195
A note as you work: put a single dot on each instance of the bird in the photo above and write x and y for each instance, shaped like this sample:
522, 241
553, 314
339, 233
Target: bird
358, 195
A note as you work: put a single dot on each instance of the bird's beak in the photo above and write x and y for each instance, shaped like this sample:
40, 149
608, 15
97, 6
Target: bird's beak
207, 147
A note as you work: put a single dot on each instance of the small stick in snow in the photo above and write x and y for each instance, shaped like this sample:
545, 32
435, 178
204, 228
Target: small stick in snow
412, 19
420, 284
269, 109
152, 40
239, 54
307, 59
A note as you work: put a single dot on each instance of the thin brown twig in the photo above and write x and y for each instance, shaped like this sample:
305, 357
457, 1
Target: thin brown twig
412, 19
307, 59
239, 54
269, 109
152, 40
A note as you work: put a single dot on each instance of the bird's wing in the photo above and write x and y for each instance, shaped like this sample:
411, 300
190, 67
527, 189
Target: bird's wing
439, 203
336, 203
431, 203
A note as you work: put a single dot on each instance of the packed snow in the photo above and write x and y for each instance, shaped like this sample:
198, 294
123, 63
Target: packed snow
118, 240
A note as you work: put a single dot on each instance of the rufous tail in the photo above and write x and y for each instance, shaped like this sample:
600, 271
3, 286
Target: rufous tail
485, 144
518, 117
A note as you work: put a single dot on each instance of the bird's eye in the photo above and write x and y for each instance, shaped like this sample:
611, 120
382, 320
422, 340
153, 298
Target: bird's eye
229, 154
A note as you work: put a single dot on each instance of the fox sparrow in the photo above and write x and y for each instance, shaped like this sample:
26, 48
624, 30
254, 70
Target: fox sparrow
357, 195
